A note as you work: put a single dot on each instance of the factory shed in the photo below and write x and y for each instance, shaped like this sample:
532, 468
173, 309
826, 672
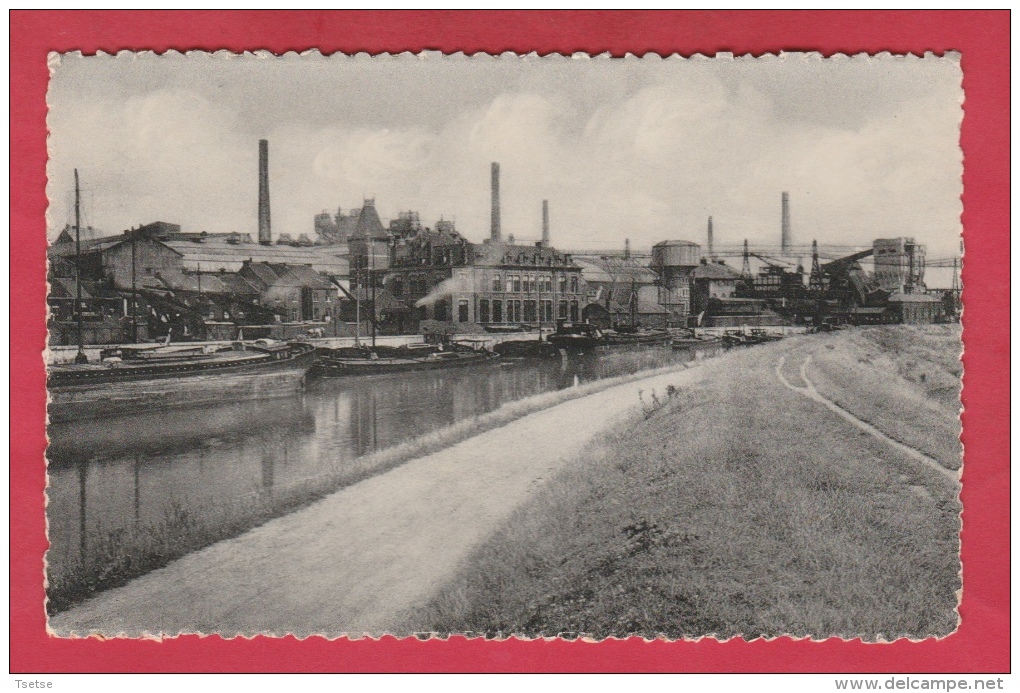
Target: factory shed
914, 309
294, 292
226, 254
712, 280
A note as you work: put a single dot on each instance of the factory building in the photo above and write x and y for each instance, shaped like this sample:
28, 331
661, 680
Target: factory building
419, 274
296, 293
621, 291
899, 264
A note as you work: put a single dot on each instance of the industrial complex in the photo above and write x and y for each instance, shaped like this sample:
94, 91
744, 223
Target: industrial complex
355, 272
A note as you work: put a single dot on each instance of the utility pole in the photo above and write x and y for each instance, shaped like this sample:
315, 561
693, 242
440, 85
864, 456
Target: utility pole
80, 357
371, 279
633, 302
357, 302
134, 292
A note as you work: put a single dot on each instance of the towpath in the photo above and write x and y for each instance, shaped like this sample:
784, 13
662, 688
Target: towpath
809, 391
355, 561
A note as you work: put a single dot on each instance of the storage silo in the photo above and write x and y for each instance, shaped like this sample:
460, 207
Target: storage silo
674, 261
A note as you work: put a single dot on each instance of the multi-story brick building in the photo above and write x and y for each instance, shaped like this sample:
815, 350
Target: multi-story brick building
437, 274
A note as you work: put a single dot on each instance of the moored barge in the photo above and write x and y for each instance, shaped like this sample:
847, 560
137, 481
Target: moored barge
140, 378
352, 361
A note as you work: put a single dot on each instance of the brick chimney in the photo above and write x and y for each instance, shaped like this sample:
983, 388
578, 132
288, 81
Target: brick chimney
710, 237
496, 233
786, 240
545, 223
265, 234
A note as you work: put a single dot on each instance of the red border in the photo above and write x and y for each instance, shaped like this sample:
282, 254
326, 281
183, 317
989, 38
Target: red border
982, 643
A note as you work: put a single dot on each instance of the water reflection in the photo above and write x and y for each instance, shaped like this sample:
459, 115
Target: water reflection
105, 476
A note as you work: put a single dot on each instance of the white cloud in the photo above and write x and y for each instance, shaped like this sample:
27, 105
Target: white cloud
649, 154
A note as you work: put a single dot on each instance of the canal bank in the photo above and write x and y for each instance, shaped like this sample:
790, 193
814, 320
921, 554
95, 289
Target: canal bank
134, 493
806, 488
357, 560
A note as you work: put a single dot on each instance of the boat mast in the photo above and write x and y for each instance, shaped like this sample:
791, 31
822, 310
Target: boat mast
80, 356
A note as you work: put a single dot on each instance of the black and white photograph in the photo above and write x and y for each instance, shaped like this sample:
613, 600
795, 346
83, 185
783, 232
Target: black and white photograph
430, 345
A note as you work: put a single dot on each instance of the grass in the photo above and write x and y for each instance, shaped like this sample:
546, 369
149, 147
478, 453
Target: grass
733, 508
921, 406
125, 554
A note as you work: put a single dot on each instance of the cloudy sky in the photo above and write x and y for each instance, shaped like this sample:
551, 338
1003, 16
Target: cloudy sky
644, 149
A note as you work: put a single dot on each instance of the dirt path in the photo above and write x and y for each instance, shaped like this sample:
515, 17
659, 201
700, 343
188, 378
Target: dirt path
809, 391
355, 561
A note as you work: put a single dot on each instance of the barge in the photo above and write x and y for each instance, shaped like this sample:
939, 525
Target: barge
135, 378
353, 361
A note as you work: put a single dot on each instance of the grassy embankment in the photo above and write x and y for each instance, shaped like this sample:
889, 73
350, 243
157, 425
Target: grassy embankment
129, 553
924, 413
737, 508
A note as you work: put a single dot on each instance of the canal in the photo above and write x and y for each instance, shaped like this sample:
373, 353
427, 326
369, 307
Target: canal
110, 476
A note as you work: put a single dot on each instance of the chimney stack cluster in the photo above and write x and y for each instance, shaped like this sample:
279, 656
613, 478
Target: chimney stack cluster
265, 233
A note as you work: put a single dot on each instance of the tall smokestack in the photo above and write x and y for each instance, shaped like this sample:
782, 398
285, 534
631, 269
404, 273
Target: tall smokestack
496, 233
710, 254
626, 248
786, 241
545, 223
265, 235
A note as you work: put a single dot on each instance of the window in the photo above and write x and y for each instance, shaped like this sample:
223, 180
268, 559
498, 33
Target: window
547, 311
483, 310
497, 311
547, 280
575, 314
441, 311
513, 311
563, 310
529, 311
462, 311
563, 283
497, 283
573, 284
517, 283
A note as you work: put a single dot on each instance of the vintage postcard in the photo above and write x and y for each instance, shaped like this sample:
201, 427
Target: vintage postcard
504, 346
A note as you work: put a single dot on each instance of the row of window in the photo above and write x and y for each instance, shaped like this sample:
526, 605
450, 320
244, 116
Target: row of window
520, 311
418, 286
532, 283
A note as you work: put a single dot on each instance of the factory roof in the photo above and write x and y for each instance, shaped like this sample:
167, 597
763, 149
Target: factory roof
64, 287
236, 284
666, 244
88, 246
176, 280
217, 253
369, 224
300, 275
912, 298
269, 274
87, 233
713, 270
609, 269
500, 253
